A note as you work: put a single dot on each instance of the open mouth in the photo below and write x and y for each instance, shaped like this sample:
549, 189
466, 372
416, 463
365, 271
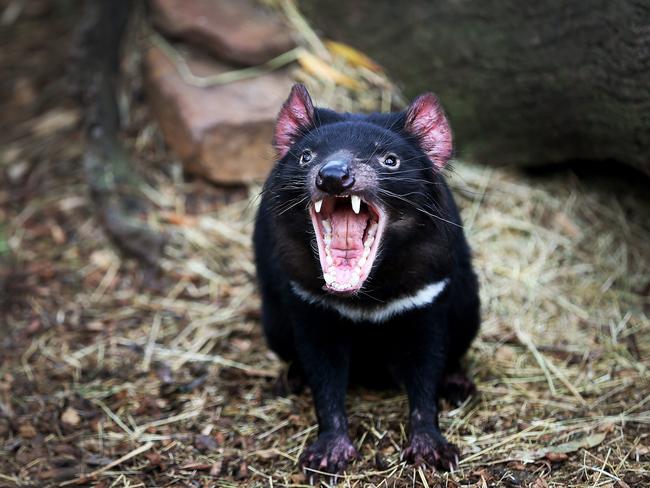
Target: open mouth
348, 230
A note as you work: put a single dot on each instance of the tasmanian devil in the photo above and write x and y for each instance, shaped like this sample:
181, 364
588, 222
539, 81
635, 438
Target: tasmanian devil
364, 270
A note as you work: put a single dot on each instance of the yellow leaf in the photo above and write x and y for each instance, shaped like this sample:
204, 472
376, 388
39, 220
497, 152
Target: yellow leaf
352, 56
322, 70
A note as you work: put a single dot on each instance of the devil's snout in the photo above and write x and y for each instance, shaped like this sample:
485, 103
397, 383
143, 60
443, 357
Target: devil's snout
335, 177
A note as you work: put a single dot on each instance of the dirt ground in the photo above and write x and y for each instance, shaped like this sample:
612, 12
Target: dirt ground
112, 374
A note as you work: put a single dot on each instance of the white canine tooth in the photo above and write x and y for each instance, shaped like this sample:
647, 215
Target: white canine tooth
317, 205
356, 203
329, 278
354, 278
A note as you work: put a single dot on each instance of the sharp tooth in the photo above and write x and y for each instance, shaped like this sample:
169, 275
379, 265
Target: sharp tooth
356, 203
317, 205
329, 278
354, 278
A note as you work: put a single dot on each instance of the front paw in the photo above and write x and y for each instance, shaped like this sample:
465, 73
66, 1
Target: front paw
431, 448
330, 453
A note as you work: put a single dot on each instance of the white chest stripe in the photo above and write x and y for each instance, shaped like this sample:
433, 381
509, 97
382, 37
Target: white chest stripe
422, 297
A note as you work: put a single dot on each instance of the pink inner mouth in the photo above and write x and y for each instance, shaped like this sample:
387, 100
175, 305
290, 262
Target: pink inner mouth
347, 241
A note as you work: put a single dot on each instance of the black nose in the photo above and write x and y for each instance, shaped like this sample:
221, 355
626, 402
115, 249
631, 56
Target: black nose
334, 177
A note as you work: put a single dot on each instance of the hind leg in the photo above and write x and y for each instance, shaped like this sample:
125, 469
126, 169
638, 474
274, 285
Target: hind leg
456, 387
290, 381
279, 337
464, 322
277, 325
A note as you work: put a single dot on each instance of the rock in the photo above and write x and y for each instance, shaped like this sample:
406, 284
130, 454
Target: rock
222, 132
240, 31
523, 83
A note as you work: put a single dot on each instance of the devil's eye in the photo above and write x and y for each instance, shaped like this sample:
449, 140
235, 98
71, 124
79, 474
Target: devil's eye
306, 156
390, 161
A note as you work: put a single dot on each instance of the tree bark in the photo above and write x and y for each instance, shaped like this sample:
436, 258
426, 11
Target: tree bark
108, 169
523, 82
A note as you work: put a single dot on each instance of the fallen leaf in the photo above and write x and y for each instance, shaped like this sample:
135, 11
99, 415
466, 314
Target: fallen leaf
585, 443
555, 457
352, 56
178, 219
559, 452
27, 431
54, 121
322, 70
154, 458
70, 417
266, 453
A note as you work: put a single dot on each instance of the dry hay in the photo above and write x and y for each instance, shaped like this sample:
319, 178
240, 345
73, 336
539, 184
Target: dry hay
111, 375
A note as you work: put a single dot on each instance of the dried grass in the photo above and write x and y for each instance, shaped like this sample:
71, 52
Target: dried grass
561, 361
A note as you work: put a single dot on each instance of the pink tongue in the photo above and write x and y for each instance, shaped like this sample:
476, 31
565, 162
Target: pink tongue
347, 236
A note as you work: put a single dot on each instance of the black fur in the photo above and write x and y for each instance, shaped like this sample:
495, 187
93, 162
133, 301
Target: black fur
423, 243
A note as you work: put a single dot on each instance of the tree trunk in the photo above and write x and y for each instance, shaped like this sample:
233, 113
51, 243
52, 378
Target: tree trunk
108, 169
523, 82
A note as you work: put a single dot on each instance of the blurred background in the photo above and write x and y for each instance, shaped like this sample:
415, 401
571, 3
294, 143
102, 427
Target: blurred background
134, 139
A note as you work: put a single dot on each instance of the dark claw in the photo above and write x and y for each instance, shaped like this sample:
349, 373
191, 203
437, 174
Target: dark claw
430, 448
330, 453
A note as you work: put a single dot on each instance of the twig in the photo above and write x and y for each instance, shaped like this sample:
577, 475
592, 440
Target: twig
528, 342
151, 342
94, 474
190, 78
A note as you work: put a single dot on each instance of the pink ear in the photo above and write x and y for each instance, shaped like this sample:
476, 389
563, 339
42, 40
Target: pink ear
426, 120
296, 116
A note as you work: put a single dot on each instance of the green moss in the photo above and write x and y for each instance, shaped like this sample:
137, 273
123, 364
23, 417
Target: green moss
4, 244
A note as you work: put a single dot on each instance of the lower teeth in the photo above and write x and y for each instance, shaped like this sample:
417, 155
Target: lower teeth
355, 276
